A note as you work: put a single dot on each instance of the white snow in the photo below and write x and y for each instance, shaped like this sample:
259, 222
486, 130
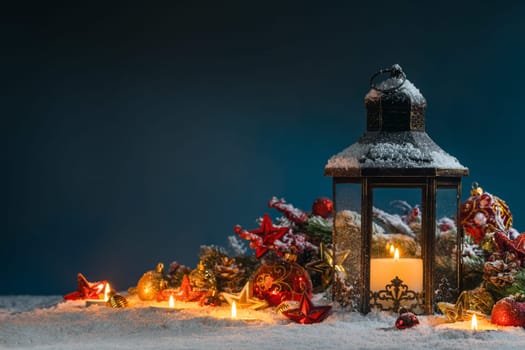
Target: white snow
36, 322
387, 154
408, 88
444, 160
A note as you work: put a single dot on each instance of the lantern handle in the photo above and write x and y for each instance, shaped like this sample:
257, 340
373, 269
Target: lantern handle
395, 72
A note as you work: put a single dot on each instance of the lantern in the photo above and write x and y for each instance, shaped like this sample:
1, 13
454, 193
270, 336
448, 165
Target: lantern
396, 190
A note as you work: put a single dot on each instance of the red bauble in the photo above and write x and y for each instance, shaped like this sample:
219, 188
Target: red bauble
508, 312
323, 207
406, 320
281, 281
483, 213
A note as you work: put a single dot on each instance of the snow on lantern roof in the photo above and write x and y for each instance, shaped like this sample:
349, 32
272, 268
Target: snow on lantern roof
405, 87
395, 143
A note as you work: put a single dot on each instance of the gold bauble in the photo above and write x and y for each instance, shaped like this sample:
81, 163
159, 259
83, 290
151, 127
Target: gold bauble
151, 283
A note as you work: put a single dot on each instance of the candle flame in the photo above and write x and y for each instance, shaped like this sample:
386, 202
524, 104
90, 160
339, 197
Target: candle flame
392, 249
396, 255
474, 323
107, 290
171, 302
388, 246
234, 310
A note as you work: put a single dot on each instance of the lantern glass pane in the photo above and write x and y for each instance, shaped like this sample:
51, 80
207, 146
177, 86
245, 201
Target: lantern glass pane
347, 242
396, 227
446, 245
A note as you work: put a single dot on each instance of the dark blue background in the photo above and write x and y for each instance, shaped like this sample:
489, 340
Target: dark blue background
136, 134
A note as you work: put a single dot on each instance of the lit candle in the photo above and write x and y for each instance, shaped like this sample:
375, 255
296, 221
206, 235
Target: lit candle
474, 323
384, 270
244, 314
107, 290
168, 306
234, 310
478, 323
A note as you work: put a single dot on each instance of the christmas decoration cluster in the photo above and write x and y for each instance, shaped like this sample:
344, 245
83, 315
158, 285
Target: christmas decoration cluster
291, 261
493, 260
294, 259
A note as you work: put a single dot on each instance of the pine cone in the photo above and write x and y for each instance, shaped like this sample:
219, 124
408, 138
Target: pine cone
501, 269
227, 269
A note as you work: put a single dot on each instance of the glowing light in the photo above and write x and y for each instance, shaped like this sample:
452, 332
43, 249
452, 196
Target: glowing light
234, 310
392, 249
171, 302
474, 323
396, 255
107, 290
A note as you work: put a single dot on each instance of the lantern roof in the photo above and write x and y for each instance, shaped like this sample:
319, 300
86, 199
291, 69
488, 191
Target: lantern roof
395, 143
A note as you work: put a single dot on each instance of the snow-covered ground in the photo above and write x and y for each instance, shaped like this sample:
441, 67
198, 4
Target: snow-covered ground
38, 322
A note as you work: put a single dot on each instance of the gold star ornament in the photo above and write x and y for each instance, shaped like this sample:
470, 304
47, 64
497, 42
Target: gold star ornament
336, 260
245, 299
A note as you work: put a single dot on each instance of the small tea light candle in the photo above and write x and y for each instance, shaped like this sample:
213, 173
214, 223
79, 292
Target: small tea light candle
169, 306
234, 315
477, 324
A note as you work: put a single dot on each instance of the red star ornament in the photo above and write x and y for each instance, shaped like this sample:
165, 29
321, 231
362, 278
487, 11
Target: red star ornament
186, 292
264, 237
307, 313
87, 290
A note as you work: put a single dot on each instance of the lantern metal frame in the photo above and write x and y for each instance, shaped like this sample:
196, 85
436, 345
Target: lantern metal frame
428, 185
396, 114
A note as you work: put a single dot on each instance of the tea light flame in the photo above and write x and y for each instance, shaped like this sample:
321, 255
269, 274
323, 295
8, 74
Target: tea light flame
396, 255
234, 310
474, 323
171, 302
392, 249
107, 290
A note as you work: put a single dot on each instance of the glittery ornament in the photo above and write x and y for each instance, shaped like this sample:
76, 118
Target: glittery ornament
484, 213
406, 320
508, 312
117, 301
151, 283
202, 279
280, 281
323, 207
